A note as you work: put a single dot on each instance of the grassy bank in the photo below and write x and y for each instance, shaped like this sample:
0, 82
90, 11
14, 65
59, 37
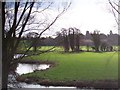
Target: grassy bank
85, 66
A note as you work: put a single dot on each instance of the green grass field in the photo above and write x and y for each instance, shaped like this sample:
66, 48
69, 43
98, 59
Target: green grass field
78, 66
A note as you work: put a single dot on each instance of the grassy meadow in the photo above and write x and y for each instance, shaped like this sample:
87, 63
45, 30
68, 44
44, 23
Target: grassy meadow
85, 66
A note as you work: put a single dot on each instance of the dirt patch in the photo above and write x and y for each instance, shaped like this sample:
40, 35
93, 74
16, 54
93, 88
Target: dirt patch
100, 84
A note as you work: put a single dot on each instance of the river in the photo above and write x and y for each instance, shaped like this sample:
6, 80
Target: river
28, 68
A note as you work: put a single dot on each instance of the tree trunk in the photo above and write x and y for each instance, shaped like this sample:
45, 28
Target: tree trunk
5, 71
77, 43
66, 44
97, 49
5, 68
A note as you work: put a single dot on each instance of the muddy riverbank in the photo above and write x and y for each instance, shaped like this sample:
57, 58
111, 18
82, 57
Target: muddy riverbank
78, 84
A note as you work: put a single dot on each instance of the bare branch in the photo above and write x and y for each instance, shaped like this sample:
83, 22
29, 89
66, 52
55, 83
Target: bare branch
65, 9
113, 7
22, 14
116, 4
43, 9
41, 52
115, 16
22, 29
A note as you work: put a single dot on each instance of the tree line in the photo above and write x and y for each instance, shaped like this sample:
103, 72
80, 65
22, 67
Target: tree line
72, 39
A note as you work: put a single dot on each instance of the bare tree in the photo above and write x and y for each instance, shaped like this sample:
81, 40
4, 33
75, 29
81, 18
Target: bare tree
10, 43
16, 18
77, 40
96, 40
32, 36
59, 39
65, 40
72, 38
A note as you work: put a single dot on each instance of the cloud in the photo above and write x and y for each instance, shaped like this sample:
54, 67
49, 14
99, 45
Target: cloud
83, 14
88, 15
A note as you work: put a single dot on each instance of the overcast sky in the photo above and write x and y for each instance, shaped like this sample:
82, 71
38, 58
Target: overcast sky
87, 15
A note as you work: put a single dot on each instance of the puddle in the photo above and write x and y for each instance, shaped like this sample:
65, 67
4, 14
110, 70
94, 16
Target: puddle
28, 68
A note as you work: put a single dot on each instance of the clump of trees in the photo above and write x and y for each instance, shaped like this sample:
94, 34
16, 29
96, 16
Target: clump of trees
103, 47
96, 40
99, 45
33, 40
71, 39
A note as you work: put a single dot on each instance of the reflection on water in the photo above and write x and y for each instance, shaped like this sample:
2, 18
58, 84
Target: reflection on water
28, 68
18, 56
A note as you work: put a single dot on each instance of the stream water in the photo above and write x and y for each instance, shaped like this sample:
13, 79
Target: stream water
28, 68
